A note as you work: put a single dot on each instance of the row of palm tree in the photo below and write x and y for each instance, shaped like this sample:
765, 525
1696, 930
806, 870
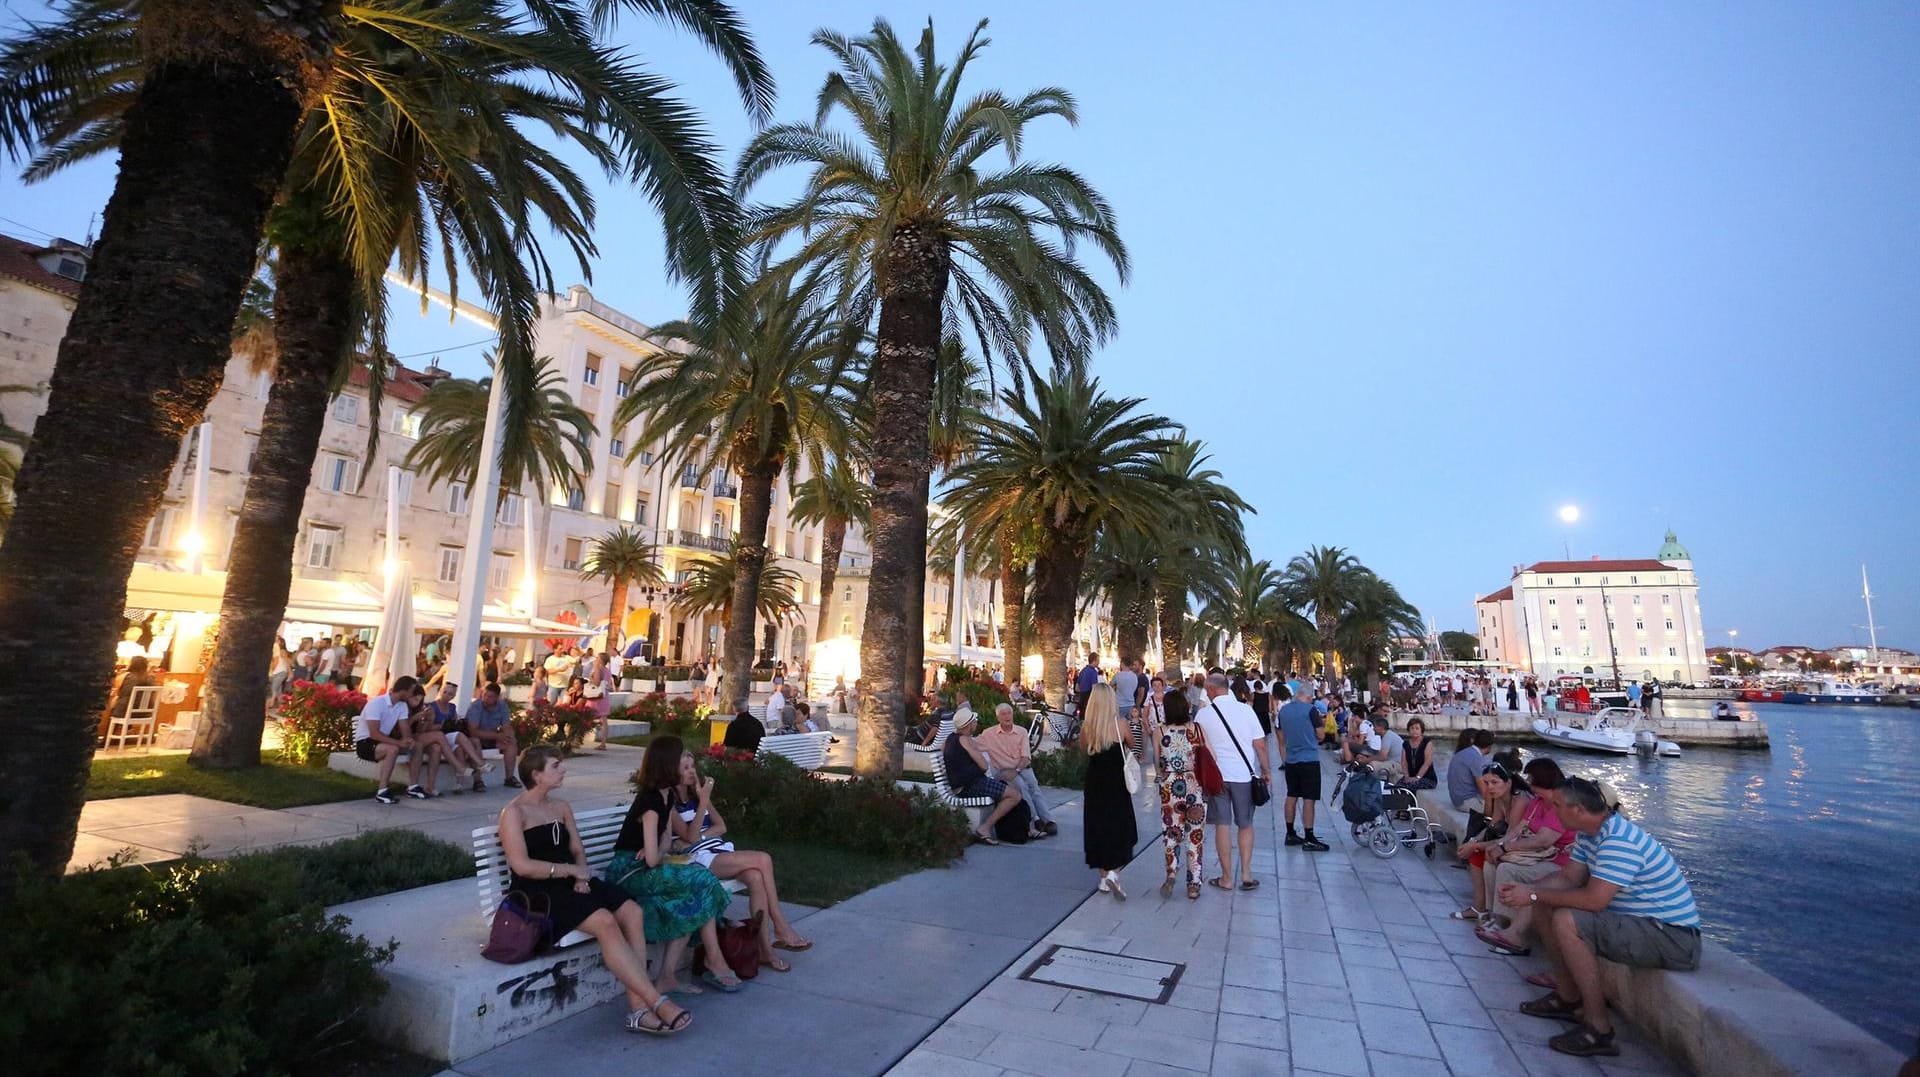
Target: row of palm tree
347, 138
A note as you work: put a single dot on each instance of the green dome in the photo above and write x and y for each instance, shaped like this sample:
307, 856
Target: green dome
1672, 550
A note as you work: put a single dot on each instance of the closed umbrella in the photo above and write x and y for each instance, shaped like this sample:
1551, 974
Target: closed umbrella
393, 643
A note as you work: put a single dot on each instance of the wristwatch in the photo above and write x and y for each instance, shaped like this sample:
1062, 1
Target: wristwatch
1533, 897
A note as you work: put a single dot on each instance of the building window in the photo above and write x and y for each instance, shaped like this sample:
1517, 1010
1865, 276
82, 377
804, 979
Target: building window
640, 510
570, 559
719, 524
1556, 652
1576, 581
846, 624
624, 385
449, 571
1639, 625
457, 499
1549, 581
591, 375
1553, 602
346, 408
1633, 579
159, 530
1636, 600
1669, 624
403, 488
616, 448
512, 510
847, 596
409, 424
1673, 652
577, 499
323, 546
1583, 624
500, 571
1666, 600
337, 473
611, 506
1580, 600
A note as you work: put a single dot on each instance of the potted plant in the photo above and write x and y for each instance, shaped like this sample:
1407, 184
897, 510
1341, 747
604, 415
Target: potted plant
518, 686
762, 679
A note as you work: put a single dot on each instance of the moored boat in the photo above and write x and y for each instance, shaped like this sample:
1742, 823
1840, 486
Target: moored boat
1829, 690
1762, 695
1615, 730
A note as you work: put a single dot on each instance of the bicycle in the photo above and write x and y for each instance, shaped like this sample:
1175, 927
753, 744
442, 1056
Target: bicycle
1064, 727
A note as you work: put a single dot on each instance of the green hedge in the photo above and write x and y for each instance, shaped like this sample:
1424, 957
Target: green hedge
1062, 769
202, 966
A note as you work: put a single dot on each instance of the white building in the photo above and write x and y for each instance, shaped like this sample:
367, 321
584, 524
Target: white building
1641, 617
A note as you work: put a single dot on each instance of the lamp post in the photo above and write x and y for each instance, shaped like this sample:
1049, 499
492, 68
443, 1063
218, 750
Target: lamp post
1733, 660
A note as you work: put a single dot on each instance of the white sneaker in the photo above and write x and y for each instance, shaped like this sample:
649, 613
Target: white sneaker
1106, 882
1114, 878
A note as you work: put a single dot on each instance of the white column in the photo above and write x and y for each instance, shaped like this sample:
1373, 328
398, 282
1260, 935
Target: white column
473, 570
196, 528
956, 595
391, 558
530, 552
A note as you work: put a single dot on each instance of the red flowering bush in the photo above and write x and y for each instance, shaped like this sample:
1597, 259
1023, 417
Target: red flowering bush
562, 725
316, 719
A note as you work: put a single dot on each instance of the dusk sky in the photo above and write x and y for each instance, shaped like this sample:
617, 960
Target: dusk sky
1421, 275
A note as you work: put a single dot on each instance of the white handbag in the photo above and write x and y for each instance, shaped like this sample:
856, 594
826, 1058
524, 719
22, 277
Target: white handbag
1132, 771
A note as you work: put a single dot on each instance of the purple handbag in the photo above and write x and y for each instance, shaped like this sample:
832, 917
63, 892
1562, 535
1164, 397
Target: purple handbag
518, 932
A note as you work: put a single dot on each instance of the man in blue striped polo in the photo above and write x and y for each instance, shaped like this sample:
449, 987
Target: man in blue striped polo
1620, 897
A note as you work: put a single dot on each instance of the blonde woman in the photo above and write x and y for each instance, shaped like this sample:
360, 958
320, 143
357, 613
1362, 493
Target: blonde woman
1109, 831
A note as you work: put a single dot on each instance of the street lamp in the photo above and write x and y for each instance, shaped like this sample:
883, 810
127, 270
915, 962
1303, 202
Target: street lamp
1733, 660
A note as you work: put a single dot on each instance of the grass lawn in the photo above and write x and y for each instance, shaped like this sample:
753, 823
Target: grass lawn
820, 876
272, 784
636, 740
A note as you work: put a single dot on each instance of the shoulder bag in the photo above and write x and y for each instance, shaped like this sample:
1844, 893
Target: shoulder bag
518, 933
1261, 793
1131, 770
1212, 783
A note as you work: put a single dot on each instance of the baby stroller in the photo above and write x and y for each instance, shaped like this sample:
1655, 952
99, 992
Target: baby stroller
1384, 817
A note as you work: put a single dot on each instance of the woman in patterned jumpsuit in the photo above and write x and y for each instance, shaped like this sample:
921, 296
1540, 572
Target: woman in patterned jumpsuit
1183, 809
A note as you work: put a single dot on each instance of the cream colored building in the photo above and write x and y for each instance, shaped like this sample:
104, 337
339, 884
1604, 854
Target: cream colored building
38, 287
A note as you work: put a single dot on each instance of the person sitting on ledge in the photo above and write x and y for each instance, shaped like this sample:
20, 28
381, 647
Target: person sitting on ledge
744, 733
1620, 897
967, 774
1010, 760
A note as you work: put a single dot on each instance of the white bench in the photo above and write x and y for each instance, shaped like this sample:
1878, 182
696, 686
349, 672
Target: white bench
939, 739
975, 807
808, 751
599, 829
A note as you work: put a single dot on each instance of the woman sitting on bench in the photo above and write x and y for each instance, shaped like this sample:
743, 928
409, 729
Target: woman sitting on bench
547, 861
699, 828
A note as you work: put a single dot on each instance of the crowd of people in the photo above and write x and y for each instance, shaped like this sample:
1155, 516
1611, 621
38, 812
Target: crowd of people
1555, 863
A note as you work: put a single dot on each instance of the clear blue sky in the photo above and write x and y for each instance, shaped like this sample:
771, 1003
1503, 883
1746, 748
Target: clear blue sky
1421, 275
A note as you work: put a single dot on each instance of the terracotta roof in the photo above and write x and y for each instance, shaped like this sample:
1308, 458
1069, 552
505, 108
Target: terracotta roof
1504, 594
16, 261
407, 384
1597, 565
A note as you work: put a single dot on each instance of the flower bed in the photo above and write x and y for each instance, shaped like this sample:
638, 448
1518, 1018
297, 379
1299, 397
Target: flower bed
316, 719
561, 725
680, 716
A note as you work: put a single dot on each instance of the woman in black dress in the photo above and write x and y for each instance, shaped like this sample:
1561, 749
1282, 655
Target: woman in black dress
1109, 829
549, 865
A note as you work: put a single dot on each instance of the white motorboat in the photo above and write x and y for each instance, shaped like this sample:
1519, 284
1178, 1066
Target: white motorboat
1619, 730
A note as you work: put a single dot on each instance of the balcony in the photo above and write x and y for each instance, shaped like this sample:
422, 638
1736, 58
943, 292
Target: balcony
690, 480
695, 540
726, 489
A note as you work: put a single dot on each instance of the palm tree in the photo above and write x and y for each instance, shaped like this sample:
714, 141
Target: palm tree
1072, 460
713, 582
1124, 566
915, 225
1375, 615
833, 496
1202, 532
621, 557
545, 438
765, 386
1245, 605
1324, 578
204, 100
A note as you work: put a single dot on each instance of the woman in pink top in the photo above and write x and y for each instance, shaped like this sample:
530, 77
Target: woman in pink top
1535, 849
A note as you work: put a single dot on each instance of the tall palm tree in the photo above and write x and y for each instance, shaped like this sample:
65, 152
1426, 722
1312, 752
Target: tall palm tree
763, 387
620, 558
1072, 460
834, 496
1202, 532
916, 225
1243, 608
1324, 578
206, 100
1376, 614
545, 438
1124, 566
713, 584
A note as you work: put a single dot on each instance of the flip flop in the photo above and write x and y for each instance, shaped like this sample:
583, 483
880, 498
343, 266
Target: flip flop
731, 985
796, 947
775, 964
1250, 884
985, 839
1221, 884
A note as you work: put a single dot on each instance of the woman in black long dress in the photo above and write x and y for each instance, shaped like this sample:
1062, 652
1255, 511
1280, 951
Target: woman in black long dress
548, 864
1109, 831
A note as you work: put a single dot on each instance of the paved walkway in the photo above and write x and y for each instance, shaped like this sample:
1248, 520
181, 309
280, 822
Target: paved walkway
1340, 963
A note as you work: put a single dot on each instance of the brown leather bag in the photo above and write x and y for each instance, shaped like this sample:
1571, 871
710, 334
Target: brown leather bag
739, 946
518, 932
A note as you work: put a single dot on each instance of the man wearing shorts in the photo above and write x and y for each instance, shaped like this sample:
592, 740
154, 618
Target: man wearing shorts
384, 734
1300, 753
967, 775
1620, 897
490, 722
1227, 721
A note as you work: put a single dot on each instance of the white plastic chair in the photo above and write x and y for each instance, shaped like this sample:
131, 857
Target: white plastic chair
138, 724
180, 733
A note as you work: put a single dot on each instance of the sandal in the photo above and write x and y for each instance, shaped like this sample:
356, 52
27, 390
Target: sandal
729, 984
1166, 888
1584, 1042
1552, 1007
662, 1024
985, 839
1193, 891
776, 964
1543, 979
1250, 884
795, 947
1468, 913
1500, 944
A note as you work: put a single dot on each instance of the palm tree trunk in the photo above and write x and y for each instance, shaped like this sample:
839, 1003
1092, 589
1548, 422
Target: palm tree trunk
1173, 627
1133, 626
833, 539
1056, 583
750, 557
313, 330
616, 613
206, 143
915, 684
901, 384
1013, 588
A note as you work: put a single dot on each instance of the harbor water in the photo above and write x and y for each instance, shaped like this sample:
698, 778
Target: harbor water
1805, 860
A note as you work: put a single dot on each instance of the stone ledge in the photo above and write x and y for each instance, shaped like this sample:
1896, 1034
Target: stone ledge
1727, 1018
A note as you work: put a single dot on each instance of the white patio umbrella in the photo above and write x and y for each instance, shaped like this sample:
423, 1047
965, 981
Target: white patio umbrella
393, 642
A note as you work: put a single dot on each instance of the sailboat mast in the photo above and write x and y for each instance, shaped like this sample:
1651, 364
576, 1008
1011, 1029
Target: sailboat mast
1866, 593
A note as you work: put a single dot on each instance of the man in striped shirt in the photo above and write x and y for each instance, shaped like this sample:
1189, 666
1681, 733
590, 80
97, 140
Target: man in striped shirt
1620, 897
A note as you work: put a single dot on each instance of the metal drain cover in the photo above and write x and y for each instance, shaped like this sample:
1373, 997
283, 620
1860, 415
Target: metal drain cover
1106, 974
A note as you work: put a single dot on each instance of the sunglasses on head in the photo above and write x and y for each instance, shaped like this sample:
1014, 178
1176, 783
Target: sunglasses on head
1497, 769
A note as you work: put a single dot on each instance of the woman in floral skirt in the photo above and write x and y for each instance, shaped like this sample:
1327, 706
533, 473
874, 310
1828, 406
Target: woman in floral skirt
1183, 808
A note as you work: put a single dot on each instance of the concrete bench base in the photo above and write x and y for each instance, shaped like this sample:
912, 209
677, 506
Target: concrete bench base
1727, 1018
350, 763
447, 1002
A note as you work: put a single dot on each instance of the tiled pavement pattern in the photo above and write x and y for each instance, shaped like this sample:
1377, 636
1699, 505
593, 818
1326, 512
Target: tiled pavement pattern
1340, 963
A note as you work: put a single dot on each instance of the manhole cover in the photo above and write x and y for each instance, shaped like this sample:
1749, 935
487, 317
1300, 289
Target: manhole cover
1106, 974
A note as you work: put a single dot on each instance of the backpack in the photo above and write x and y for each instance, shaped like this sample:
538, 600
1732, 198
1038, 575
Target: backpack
1362, 803
1013, 826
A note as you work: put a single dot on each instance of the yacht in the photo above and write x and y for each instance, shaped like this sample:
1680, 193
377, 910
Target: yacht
1616, 729
1829, 690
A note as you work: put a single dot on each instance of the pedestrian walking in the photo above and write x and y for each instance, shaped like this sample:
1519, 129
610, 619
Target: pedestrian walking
1183, 810
1108, 830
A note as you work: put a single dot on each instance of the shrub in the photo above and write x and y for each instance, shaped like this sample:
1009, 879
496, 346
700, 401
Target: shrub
517, 678
677, 673
202, 967
1062, 769
867, 815
318, 718
367, 865
984, 696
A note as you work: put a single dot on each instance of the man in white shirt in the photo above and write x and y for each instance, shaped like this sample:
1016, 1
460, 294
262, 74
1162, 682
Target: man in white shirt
383, 734
1226, 722
329, 662
559, 669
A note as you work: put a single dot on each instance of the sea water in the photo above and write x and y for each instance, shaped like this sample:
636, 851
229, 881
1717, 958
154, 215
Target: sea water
1804, 860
